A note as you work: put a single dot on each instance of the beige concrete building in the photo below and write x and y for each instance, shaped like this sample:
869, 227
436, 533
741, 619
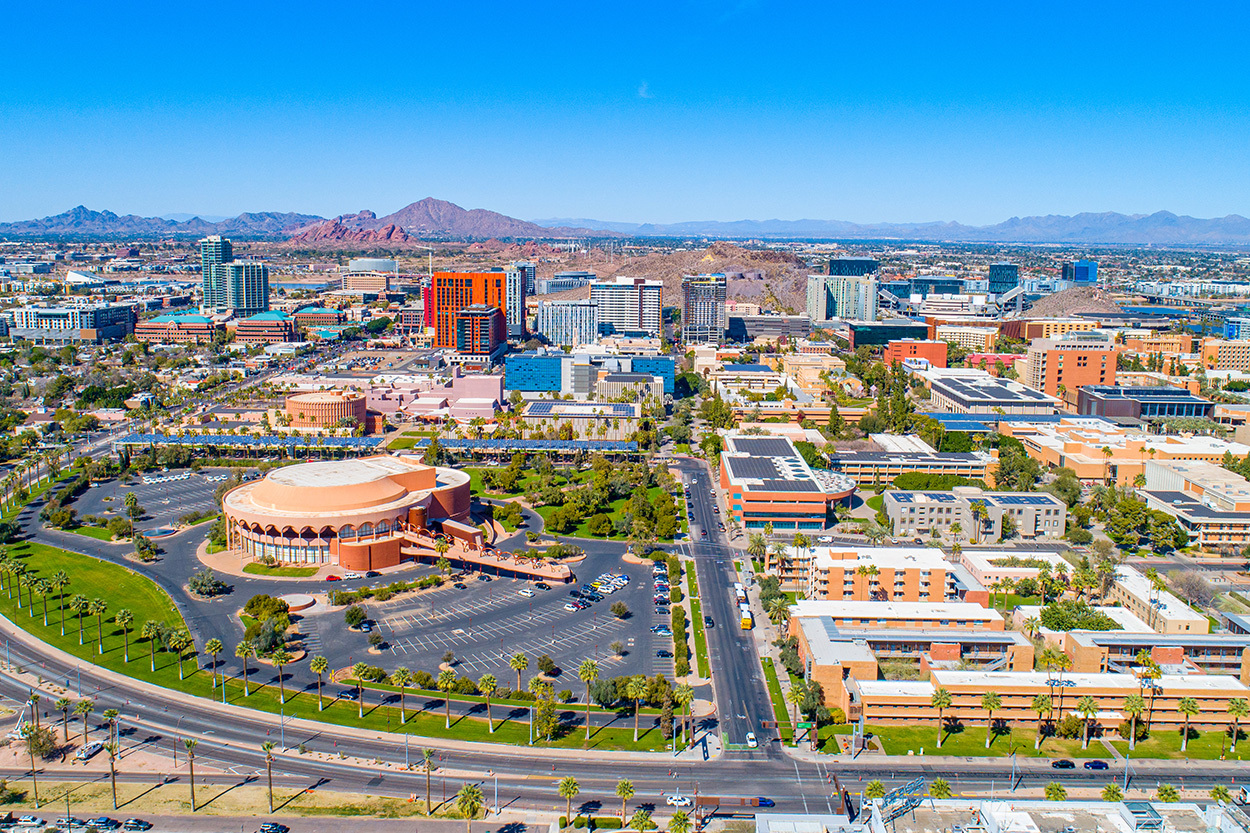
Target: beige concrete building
1034, 515
1157, 608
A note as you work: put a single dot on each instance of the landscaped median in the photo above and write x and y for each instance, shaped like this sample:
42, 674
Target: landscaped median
119, 588
703, 666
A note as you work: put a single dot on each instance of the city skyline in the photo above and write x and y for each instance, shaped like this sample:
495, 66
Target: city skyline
692, 113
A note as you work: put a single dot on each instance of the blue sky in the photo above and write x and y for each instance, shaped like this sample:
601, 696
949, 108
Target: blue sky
667, 111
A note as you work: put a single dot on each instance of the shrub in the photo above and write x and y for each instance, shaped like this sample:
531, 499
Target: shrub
354, 616
1126, 728
375, 639
262, 606
425, 680
1076, 614
465, 685
1071, 727
205, 583
546, 664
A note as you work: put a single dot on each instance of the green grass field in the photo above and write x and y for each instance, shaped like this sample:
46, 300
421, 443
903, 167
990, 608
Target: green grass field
970, 743
781, 712
703, 665
875, 502
258, 569
99, 533
402, 443
614, 509
121, 588
1207, 746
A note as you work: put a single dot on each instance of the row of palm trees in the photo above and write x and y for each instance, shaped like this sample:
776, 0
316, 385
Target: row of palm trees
1088, 708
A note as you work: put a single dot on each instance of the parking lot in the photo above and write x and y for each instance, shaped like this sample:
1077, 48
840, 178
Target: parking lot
165, 499
487, 622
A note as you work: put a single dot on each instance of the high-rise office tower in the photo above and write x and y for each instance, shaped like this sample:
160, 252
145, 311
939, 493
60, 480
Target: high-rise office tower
851, 298
571, 323
453, 291
1081, 272
703, 308
853, 267
628, 305
520, 285
214, 251
1004, 277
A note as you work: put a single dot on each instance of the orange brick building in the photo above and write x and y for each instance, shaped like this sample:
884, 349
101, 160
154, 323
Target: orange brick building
453, 291
912, 348
1069, 364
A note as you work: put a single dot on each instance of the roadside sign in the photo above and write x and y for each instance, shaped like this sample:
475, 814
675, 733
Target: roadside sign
806, 725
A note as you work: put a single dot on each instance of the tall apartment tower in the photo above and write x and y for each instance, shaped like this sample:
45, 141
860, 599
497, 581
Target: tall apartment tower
519, 279
1004, 277
628, 305
245, 284
214, 251
849, 297
703, 308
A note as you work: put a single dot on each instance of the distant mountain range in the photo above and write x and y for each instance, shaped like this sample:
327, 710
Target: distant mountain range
1160, 228
438, 218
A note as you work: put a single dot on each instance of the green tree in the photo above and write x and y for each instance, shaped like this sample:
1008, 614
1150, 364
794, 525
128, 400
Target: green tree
1055, 791
1112, 793
568, 789
60, 580
358, 674
588, 673
267, 748
243, 651
1237, 710
64, 705
213, 647
319, 665
1087, 708
1134, 706
402, 678
874, 789
190, 744
1187, 706
427, 759
488, 685
940, 788
1220, 793
80, 604
1167, 794
84, 708
124, 619
941, 700
991, 702
280, 658
447, 682
518, 663
624, 791
680, 823
469, 802
635, 690
111, 748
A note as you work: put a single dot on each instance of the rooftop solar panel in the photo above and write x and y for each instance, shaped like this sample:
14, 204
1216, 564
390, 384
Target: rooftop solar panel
788, 486
752, 468
764, 447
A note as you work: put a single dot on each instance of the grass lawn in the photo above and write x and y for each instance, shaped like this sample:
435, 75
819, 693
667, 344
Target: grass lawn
121, 588
781, 712
479, 487
203, 520
214, 548
614, 509
696, 623
683, 448
1166, 743
900, 740
401, 443
1010, 601
97, 532
875, 502
258, 569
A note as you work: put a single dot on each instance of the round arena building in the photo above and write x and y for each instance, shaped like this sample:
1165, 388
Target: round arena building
326, 408
353, 513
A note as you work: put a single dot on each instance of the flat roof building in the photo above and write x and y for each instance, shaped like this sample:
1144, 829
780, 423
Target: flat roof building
1157, 608
977, 392
1031, 515
1141, 402
628, 305
1211, 503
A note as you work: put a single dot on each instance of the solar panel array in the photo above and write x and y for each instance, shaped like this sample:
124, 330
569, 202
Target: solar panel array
492, 444
763, 446
273, 441
752, 468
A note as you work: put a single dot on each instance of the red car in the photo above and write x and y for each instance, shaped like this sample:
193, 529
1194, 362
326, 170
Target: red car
334, 578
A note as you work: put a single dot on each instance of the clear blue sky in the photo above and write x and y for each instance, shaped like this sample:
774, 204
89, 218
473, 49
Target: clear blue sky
643, 111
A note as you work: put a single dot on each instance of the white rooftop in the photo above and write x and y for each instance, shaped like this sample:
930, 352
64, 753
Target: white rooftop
1129, 682
962, 611
1125, 618
903, 442
895, 688
897, 558
1136, 584
341, 473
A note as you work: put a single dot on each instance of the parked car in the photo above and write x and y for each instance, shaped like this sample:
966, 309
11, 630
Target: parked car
484, 577
1062, 764
273, 827
570, 606
89, 751
678, 800
708, 622
525, 591
542, 585
664, 654
334, 578
104, 823
137, 824
372, 574
460, 585
30, 821
350, 576
1096, 765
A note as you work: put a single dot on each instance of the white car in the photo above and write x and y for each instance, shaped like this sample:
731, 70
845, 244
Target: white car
751, 741
569, 606
352, 575
525, 591
678, 800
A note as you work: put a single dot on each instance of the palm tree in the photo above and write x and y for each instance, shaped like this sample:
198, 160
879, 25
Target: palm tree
757, 545
679, 823
358, 673
940, 788
97, 607
1187, 706
243, 651
991, 702
43, 587
1087, 708
779, 610
280, 658
624, 791
795, 696
518, 663
111, 715
1220, 793
79, 603
179, 641
441, 546
1041, 705
402, 678
469, 802
1054, 791
84, 708
684, 695
874, 789
1106, 465
319, 665
427, 758
488, 685
1134, 705
112, 748
132, 503
124, 619
568, 789
19, 571
635, 690
213, 647
1112, 794
31, 735
940, 700
63, 706
59, 581
190, 744
446, 682
1032, 626
588, 672
267, 748
1237, 710
979, 513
